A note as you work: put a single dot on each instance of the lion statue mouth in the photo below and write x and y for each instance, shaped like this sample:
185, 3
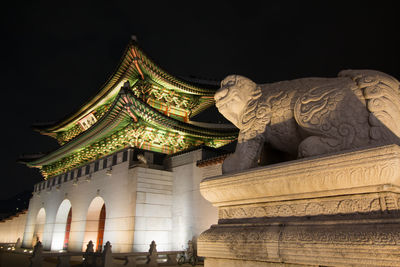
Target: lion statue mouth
233, 96
223, 102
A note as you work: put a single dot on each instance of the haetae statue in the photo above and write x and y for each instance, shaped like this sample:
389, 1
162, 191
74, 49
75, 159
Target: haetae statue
310, 116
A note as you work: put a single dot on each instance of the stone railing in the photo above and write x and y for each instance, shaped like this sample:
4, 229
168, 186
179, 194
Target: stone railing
105, 258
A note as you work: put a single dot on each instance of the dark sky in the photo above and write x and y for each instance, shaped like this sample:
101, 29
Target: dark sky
56, 54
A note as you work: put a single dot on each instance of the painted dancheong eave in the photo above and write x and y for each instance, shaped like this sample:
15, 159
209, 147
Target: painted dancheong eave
128, 105
134, 66
126, 111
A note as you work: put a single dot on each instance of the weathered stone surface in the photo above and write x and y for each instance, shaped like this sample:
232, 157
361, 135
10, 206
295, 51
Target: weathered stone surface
340, 209
310, 116
353, 172
332, 243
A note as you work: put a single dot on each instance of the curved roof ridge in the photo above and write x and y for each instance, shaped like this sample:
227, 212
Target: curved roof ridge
212, 125
200, 80
123, 105
73, 116
133, 63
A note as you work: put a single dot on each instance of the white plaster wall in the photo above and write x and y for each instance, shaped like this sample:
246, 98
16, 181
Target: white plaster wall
182, 215
13, 228
119, 194
192, 214
153, 208
142, 205
206, 214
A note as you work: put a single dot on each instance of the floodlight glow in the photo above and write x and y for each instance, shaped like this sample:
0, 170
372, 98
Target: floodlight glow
92, 222
57, 242
39, 225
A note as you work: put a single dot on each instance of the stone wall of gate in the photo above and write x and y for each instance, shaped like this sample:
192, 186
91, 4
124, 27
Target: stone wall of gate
13, 228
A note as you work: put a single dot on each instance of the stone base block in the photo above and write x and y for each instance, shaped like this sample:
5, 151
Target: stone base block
337, 210
308, 242
244, 263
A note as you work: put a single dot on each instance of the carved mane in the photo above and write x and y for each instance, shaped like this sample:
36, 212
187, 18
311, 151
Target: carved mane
256, 114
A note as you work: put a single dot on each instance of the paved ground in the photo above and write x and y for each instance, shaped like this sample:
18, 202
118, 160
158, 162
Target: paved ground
19, 260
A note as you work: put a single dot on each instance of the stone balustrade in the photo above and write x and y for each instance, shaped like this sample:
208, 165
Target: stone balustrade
106, 258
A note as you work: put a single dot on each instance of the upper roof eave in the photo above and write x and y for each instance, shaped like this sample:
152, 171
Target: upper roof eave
155, 117
127, 64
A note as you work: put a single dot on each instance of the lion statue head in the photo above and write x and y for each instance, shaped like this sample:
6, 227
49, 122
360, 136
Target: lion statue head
234, 96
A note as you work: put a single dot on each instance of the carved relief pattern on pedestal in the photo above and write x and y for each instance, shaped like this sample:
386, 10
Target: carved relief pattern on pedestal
241, 233
365, 171
239, 240
274, 242
313, 207
347, 235
364, 235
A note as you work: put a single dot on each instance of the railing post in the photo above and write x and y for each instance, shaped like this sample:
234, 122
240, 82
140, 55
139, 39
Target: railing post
190, 249
37, 255
89, 247
18, 244
89, 255
107, 255
191, 253
153, 255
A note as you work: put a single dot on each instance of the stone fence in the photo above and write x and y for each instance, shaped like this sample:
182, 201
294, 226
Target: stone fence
90, 258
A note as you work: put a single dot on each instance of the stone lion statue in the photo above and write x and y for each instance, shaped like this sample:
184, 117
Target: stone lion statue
310, 116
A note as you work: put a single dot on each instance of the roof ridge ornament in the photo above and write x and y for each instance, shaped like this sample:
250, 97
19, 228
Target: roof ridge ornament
134, 38
126, 85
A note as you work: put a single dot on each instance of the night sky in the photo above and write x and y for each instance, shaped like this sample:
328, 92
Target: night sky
57, 54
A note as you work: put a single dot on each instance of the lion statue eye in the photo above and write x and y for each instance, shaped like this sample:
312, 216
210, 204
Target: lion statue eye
227, 84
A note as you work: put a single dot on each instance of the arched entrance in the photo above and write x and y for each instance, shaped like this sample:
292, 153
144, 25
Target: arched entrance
39, 227
63, 221
100, 231
67, 230
95, 222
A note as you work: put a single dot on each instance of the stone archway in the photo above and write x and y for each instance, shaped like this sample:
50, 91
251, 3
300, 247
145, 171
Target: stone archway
39, 226
67, 230
95, 222
61, 224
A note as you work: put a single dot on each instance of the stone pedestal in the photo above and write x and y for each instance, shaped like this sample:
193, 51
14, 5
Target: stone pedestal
336, 210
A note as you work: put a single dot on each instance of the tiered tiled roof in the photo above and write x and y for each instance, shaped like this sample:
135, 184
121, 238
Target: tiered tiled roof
144, 76
141, 106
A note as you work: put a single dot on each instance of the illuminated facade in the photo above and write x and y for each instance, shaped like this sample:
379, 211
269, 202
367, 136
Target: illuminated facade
126, 171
